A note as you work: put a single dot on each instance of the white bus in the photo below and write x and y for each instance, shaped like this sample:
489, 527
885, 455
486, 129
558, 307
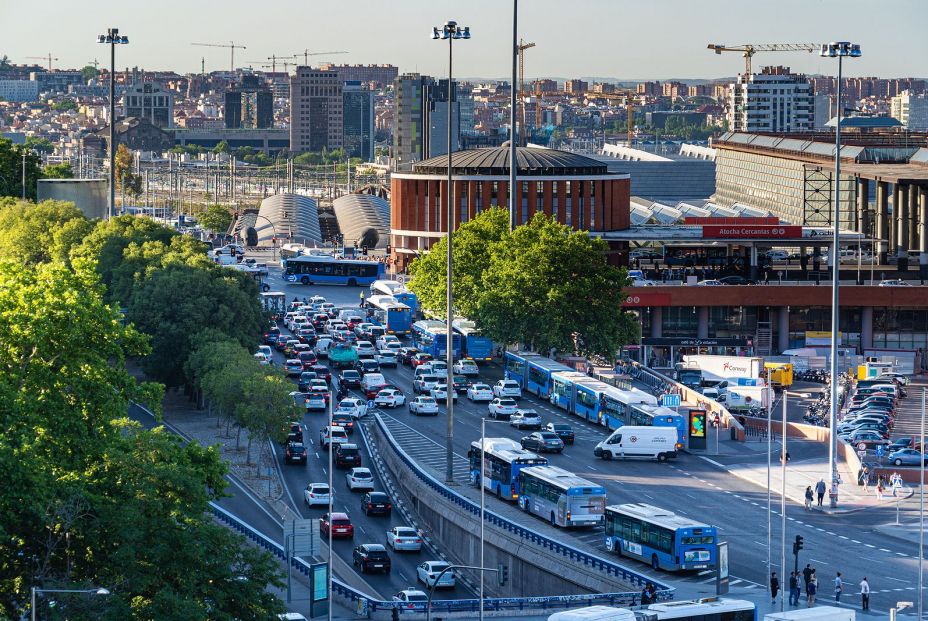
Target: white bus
561, 497
386, 287
706, 609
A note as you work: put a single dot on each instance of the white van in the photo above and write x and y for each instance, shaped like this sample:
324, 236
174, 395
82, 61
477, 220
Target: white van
658, 443
594, 613
322, 347
371, 383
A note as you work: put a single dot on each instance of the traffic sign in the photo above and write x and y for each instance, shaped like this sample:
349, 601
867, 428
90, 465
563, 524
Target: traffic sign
879, 450
370, 404
303, 536
670, 400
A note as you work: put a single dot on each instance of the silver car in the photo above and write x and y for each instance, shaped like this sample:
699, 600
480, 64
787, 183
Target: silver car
907, 457
404, 539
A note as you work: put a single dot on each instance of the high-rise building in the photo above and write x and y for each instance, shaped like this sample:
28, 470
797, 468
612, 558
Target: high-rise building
56, 81
250, 105
545, 86
911, 110
358, 120
822, 111
18, 90
774, 100
649, 88
576, 87
149, 101
421, 119
674, 90
315, 110
381, 75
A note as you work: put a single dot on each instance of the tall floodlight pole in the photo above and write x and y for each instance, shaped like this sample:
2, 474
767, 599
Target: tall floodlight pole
450, 31
921, 511
838, 49
112, 38
513, 134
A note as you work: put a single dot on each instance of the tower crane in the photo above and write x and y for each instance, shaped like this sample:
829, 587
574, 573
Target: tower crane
231, 45
522, 47
306, 54
275, 58
749, 49
48, 58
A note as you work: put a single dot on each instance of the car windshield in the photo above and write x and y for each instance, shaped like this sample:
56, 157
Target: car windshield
507, 402
348, 451
438, 567
548, 436
416, 597
363, 475
560, 427
406, 532
426, 400
351, 375
377, 554
481, 387
378, 497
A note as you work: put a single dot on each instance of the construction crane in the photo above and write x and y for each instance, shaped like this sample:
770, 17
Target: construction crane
231, 45
522, 47
306, 54
749, 49
48, 58
274, 58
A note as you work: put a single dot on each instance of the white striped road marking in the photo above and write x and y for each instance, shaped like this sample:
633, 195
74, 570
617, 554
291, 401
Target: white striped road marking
883, 550
845, 538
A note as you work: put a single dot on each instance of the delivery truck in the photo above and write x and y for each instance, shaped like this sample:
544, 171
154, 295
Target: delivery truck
718, 368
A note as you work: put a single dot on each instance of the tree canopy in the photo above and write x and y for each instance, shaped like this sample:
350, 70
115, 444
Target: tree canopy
543, 285
216, 218
38, 233
11, 169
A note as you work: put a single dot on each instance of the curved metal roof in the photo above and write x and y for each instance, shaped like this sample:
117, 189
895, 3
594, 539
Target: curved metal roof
359, 214
531, 161
289, 216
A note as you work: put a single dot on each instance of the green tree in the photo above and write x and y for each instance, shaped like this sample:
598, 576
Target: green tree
141, 261
64, 105
222, 147
126, 180
38, 233
12, 160
473, 245
216, 218
88, 72
266, 406
39, 145
550, 286
58, 171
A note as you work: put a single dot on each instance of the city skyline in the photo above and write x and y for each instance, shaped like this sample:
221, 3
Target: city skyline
651, 47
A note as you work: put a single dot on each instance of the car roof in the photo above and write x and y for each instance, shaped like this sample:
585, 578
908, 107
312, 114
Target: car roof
338, 515
377, 494
373, 547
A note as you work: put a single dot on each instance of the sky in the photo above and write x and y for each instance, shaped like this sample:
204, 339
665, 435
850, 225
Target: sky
624, 39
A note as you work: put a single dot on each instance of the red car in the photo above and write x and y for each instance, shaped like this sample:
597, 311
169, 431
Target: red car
340, 524
308, 359
420, 358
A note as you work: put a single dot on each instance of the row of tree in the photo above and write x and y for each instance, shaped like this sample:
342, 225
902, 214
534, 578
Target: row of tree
543, 285
17, 161
91, 497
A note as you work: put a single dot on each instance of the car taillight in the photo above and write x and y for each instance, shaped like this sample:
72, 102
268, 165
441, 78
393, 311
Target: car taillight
370, 506
418, 541
389, 506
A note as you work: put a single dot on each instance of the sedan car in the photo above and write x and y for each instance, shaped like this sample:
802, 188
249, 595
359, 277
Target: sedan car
389, 398
507, 388
419, 359
359, 479
262, 359
349, 379
907, 457
316, 494
295, 453
864, 440
404, 538
564, 432
502, 408
356, 407
414, 598
371, 556
735, 280
376, 503
479, 392
895, 282
406, 354
711, 282
293, 367
440, 393
525, 419
365, 348
340, 524
427, 573
387, 358
542, 442
347, 455
344, 420
316, 399
423, 405
466, 367
305, 379
367, 365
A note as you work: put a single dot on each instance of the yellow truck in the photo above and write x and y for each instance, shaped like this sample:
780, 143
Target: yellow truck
779, 373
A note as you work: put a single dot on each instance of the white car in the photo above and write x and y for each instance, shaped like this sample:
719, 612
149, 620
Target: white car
642, 282
507, 388
777, 255
896, 282
356, 407
389, 398
360, 479
364, 348
423, 405
438, 367
427, 573
502, 408
411, 596
316, 494
266, 350
440, 393
404, 538
388, 341
391, 346
479, 392
338, 435
466, 367
387, 358
525, 419
262, 359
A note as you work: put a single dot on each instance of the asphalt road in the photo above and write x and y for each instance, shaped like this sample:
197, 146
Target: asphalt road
694, 487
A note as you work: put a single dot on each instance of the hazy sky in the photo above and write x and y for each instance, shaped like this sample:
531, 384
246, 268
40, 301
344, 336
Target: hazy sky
654, 39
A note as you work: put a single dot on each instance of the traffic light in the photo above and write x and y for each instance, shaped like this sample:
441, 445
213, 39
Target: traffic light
502, 574
797, 545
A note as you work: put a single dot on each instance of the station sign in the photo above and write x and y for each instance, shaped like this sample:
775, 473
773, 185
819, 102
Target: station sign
647, 299
753, 231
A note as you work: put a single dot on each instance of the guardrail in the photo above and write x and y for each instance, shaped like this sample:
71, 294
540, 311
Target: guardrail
528, 535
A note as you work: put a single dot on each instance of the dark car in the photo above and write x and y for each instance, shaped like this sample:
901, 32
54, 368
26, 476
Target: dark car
460, 383
564, 432
308, 359
305, 379
346, 455
376, 503
322, 372
271, 336
308, 336
295, 453
367, 365
542, 442
281, 343
320, 320
735, 280
371, 557
344, 420
406, 354
349, 379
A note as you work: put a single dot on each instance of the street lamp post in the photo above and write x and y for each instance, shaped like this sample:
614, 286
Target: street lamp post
450, 31
35, 590
513, 134
112, 38
838, 49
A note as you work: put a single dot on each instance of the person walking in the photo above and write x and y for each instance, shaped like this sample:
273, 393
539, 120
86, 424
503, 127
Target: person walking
794, 588
807, 576
808, 497
811, 590
774, 587
838, 588
879, 487
896, 481
864, 594
866, 479
820, 491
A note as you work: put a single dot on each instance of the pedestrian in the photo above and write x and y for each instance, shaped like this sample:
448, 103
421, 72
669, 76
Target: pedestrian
808, 497
774, 587
820, 491
838, 588
811, 590
645, 600
879, 487
866, 479
864, 594
361, 305
896, 481
794, 588
807, 575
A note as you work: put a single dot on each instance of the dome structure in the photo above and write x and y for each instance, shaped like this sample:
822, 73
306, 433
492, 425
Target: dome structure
530, 161
291, 217
364, 219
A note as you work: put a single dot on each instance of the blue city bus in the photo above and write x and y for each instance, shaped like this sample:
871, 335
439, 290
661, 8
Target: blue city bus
476, 346
538, 378
503, 461
562, 388
645, 415
515, 365
317, 269
408, 298
431, 336
393, 316
561, 497
660, 538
